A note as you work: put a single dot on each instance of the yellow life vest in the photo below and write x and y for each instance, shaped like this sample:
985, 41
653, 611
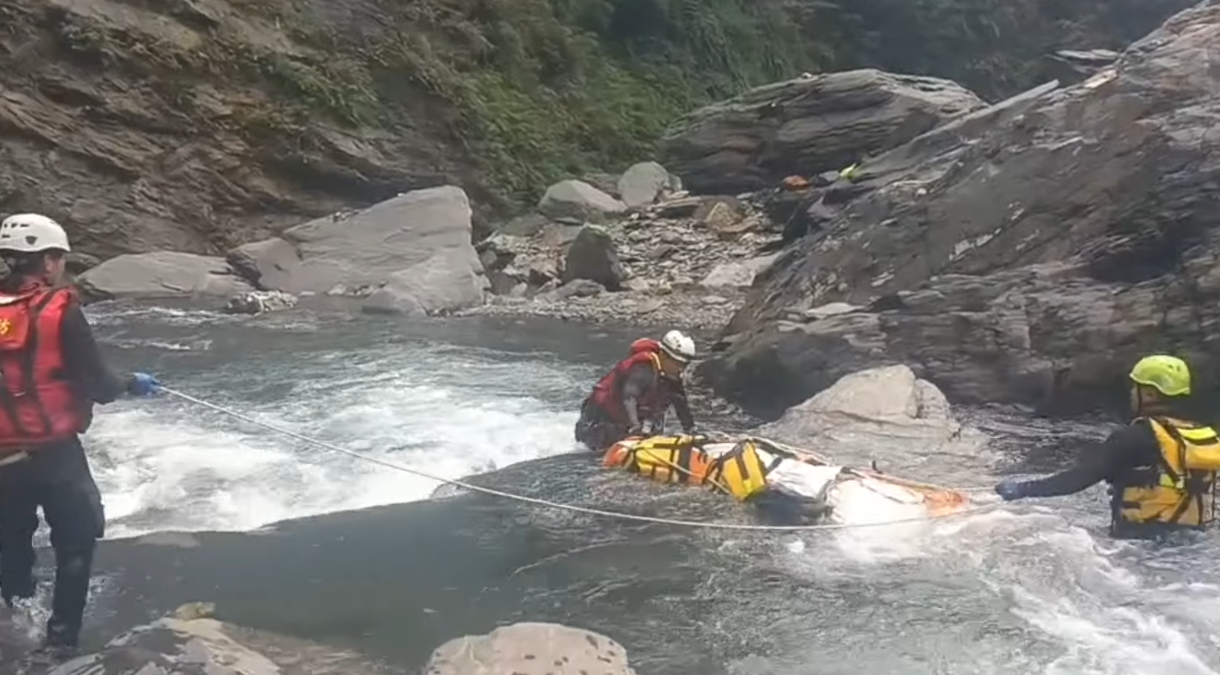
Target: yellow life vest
679, 459
740, 472
1180, 490
665, 459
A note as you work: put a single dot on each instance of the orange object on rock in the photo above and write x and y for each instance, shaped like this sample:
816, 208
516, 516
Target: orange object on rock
796, 183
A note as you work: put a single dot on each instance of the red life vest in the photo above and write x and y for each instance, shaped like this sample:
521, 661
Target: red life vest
37, 403
608, 392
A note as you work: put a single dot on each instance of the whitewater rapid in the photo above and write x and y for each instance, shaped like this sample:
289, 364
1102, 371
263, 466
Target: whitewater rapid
1033, 587
448, 410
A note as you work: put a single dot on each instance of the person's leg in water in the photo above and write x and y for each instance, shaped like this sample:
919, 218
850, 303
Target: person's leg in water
72, 505
596, 430
19, 492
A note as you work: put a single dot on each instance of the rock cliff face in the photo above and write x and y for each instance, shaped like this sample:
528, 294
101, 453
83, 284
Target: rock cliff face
191, 126
197, 125
806, 126
1029, 252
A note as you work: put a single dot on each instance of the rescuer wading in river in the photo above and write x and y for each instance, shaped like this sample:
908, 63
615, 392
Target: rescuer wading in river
637, 393
51, 374
1161, 468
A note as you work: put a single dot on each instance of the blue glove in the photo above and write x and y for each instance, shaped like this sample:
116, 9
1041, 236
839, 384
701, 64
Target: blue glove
142, 384
1010, 490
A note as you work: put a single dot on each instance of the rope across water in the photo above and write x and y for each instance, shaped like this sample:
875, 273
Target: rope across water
556, 505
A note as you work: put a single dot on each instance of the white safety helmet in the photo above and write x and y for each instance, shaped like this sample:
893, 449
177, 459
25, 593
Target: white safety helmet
32, 233
678, 346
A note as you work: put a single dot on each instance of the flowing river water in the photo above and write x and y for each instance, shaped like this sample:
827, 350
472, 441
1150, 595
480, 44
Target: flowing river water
1030, 588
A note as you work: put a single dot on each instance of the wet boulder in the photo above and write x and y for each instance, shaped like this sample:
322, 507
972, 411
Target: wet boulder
190, 644
415, 249
161, 274
885, 414
531, 649
807, 125
259, 302
1029, 252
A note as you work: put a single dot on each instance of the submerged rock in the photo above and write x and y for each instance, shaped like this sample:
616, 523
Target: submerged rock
258, 302
531, 649
815, 124
161, 274
190, 643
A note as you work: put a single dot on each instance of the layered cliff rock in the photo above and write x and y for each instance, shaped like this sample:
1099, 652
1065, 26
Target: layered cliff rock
197, 125
1027, 252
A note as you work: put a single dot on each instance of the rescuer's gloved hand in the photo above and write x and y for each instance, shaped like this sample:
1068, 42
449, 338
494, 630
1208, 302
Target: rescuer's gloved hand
1010, 490
142, 384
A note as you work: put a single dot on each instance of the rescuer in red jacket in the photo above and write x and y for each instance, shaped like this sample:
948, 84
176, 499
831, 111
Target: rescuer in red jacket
51, 375
638, 392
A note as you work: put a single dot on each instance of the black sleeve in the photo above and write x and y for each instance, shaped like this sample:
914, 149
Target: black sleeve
83, 360
1129, 447
639, 379
682, 407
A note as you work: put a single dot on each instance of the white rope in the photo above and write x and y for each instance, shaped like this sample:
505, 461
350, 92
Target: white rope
555, 505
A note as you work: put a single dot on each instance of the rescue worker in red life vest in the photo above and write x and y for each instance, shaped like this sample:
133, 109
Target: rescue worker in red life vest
638, 392
1161, 468
51, 374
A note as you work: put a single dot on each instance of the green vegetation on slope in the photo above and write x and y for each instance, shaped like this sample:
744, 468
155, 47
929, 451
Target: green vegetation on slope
548, 89
533, 91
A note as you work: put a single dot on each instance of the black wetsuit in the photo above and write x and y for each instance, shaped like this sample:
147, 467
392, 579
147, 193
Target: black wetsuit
598, 431
1130, 447
57, 478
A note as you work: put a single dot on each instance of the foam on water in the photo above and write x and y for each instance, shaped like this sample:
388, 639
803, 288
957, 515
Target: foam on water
169, 464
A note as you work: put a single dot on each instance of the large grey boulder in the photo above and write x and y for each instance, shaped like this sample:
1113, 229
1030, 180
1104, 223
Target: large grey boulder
886, 414
414, 249
161, 274
574, 199
1026, 253
806, 126
642, 184
592, 256
531, 649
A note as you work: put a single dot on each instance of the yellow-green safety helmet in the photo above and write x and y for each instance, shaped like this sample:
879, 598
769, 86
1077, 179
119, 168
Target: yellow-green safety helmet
1168, 374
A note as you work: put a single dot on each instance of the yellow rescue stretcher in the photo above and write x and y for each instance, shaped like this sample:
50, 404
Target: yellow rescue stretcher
747, 467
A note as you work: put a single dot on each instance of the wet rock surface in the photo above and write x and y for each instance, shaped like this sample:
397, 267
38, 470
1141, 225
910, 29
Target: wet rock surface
530, 649
884, 415
193, 642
